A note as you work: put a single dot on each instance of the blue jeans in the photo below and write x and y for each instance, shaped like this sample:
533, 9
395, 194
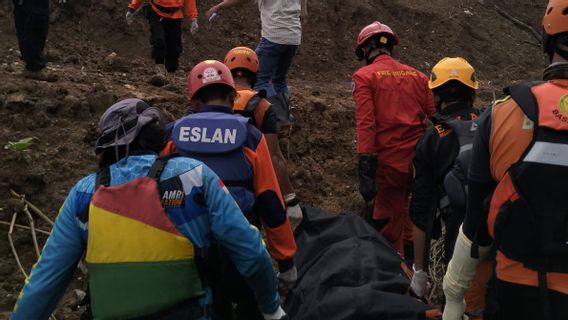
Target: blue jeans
275, 60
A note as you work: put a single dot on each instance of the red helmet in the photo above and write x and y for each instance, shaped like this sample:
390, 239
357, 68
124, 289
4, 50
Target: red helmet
207, 73
374, 29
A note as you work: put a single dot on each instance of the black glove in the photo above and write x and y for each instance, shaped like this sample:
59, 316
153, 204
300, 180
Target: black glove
367, 177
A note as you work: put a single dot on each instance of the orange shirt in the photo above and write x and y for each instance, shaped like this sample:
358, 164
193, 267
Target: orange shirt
190, 7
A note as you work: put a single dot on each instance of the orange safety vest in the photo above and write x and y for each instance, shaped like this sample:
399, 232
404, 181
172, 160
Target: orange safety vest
245, 105
528, 216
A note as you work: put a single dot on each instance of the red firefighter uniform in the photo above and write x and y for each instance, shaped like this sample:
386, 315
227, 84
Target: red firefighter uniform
392, 103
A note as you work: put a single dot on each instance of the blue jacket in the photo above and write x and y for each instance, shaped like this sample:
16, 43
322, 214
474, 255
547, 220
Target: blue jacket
221, 219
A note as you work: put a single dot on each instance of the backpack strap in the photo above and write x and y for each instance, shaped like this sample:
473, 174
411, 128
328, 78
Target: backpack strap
524, 97
254, 101
102, 177
158, 167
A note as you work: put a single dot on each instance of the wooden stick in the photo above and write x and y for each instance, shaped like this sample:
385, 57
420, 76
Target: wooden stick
32, 229
12, 244
24, 227
520, 24
34, 208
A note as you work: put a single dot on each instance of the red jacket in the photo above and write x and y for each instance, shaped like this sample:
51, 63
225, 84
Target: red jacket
392, 102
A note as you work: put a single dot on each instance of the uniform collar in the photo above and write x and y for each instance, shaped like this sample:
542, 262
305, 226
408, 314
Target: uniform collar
455, 110
382, 57
215, 108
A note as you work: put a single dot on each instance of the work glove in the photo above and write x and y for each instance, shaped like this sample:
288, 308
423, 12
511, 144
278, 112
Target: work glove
293, 210
194, 26
367, 177
419, 282
129, 16
278, 315
286, 281
454, 310
460, 272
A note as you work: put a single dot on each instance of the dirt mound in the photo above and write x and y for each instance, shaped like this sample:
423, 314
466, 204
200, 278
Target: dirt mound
100, 59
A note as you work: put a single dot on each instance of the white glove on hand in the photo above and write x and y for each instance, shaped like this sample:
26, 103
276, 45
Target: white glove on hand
129, 17
278, 315
194, 26
454, 310
419, 282
291, 275
293, 210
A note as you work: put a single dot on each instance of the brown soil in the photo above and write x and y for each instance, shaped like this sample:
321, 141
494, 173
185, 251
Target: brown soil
62, 116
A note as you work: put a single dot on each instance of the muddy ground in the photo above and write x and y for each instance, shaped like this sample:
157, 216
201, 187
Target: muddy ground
61, 116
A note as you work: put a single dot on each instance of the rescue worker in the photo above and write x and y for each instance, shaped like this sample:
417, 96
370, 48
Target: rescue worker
144, 222
31, 18
519, 162
238, 153
165, 18
440, 168
243, 63
392, 102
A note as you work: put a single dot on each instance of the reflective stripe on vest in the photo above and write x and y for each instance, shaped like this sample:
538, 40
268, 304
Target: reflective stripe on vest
528, 216
139, 263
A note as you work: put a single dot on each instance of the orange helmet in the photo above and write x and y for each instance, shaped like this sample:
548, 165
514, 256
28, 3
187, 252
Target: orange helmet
449, 69
554, 23
242, 58
207, 73
555, 20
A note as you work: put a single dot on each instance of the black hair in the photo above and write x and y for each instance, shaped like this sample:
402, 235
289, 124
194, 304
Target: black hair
152, 138
374, 42
214, 92
455, 91
556, 44
242, 72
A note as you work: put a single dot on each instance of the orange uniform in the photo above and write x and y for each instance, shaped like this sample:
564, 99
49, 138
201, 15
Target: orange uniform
392, 103
166, 8
263, 116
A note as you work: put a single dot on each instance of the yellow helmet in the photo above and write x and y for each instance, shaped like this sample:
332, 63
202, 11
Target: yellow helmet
453, 69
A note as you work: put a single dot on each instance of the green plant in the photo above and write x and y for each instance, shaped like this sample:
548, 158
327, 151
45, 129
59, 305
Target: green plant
21, 145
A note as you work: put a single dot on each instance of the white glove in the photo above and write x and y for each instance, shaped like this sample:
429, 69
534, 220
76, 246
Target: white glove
290, 275
293, 210
194, 26
278, 315
461, 270
454, 310
129, 17
419, 282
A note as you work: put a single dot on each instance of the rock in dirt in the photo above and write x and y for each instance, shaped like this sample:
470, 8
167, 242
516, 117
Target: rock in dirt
158, 80
319, 105
114, 63
99, 100
18, 102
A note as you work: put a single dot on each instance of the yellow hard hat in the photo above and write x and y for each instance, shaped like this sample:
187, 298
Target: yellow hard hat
453, 69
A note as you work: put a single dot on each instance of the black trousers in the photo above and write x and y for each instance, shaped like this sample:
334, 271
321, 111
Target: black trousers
32, 23
165, 39
230, 288
509, 301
